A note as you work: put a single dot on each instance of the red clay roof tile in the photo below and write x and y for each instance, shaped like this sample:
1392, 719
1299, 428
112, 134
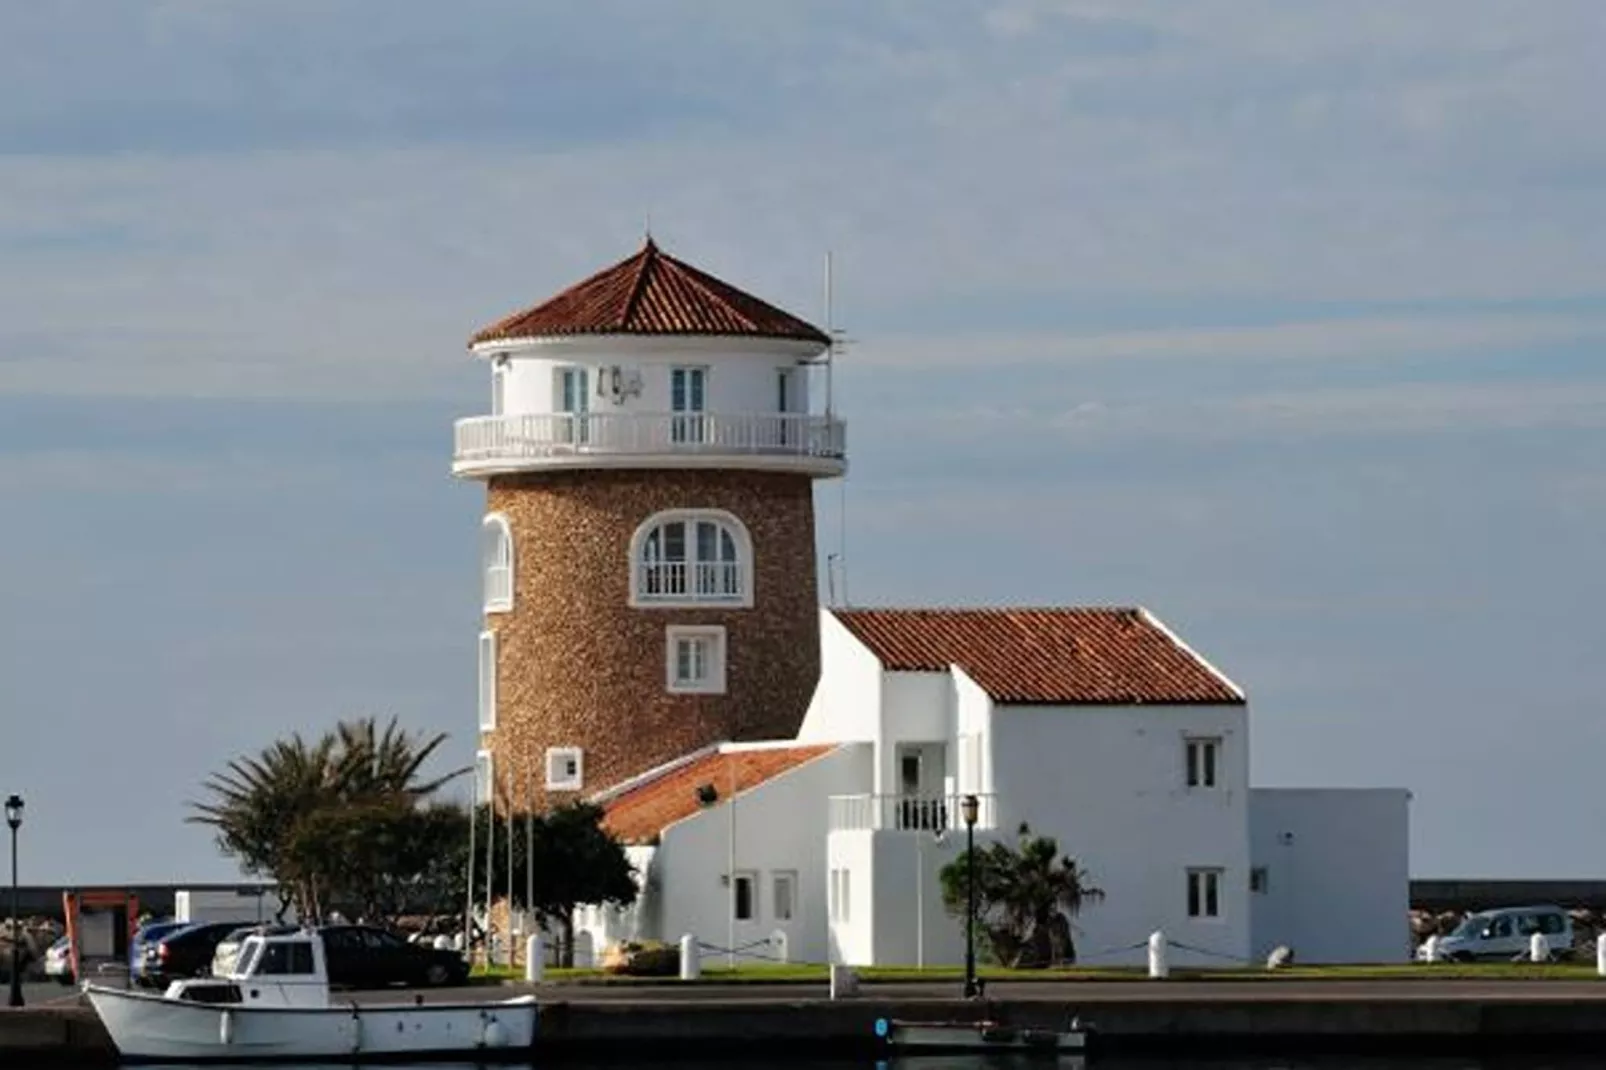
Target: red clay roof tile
1073, 656
651, 292
642, 812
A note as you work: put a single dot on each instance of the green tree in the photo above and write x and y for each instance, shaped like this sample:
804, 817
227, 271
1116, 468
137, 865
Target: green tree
1026, 896
575, 860
330, 820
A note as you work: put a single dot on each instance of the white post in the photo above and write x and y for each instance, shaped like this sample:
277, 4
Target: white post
690, 967
1600, 954
781, 944
1538, 948
534, 957
730, 946
1432, 949
1157, 963
920, 900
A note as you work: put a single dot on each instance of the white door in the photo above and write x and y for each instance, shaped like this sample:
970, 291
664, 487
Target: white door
687, 394
574, 402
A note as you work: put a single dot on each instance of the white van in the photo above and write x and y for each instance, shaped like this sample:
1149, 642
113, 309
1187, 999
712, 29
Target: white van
1505, 934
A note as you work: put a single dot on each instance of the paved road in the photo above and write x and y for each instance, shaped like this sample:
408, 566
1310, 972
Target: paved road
1070, 992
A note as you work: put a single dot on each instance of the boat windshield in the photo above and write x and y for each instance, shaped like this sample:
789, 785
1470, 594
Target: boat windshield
248, 957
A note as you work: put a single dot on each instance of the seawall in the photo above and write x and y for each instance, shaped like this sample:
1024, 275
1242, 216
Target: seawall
1195, 1026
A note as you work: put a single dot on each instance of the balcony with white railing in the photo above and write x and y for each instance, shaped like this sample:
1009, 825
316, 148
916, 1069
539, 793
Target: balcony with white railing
907, 813
783, 441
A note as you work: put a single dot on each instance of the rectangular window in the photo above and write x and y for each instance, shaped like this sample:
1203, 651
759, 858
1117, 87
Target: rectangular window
1257, 880
746, 884
574, 403
482, 778
498, 388
1202, 758
687, 395
785, 399
696, 660
563, 772
1204, 893
783, 888
487, 681
847, 895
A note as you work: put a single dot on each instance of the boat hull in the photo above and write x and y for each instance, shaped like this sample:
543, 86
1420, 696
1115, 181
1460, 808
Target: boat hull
152, 1028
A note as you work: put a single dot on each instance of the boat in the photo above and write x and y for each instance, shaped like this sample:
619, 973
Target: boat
275, 1005
980, 1036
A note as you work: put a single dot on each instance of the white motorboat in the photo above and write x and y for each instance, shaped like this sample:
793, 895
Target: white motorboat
275, 1005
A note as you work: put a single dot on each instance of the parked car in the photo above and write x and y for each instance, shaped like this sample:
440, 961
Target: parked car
58, 961
228, 950
149, 933
185, 952
365, 956
1505, 934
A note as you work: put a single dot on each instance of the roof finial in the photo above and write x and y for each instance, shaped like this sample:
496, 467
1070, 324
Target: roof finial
647, 230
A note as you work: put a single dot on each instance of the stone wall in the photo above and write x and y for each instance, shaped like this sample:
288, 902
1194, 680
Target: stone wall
578, 666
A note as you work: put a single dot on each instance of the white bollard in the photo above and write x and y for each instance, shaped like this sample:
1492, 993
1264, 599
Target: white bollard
779, 945
1431, 949
1538, 948
1157, 963
690, 964
534, 958
1600, 954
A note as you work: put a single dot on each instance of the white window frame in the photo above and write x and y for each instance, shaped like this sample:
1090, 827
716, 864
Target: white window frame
556, 758
1202, 881
487, 684
484, 777
497, 566
575, 425
783, 878
713, 681
641, 570
1195, 765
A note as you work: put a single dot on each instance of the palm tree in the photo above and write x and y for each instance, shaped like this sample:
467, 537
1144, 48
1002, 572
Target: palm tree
260, 803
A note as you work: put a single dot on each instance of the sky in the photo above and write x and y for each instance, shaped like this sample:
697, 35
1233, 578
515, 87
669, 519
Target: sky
1282, 320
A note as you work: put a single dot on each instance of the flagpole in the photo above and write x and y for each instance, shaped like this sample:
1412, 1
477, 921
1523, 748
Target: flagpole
468, 907
529, 849
490, 854
512, 952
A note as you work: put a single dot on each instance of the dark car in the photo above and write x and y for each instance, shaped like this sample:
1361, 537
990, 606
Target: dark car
186, 952
147, 934
364, 956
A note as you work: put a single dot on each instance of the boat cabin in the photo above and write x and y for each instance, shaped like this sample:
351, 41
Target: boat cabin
279, 970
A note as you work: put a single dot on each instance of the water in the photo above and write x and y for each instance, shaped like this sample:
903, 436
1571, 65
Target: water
988, 1062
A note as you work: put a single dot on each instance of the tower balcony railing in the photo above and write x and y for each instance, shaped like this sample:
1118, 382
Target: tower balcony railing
536, 440
908, 813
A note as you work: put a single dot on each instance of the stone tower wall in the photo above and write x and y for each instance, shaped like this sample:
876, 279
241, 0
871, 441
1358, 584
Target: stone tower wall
577, 665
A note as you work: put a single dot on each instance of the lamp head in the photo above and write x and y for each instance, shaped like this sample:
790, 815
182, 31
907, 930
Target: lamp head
14, 812
967, 808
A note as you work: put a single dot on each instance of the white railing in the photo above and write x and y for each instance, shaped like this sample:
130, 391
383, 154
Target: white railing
702, 581
915, 813
551, 436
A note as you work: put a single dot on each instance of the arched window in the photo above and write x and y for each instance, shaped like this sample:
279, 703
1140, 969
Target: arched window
497, 563
691, 557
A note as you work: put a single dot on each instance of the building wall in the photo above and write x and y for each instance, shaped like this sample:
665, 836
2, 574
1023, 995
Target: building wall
1107, 783
1337, 870
741, 372
779, 826
577, 666
916, 707
847, 699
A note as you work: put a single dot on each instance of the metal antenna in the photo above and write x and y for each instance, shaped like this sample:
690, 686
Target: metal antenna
831, 349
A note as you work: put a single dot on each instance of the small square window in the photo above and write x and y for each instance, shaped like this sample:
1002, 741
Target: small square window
1202, 759
696, 660
487, 681
783, 888
1257, 880
563, 769
1204, 893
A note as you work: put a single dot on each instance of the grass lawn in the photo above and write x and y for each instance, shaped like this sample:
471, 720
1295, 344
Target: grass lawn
778, 973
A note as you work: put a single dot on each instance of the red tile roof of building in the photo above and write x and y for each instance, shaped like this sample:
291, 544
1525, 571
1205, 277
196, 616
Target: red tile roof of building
651, 292
1073, 656
641, 812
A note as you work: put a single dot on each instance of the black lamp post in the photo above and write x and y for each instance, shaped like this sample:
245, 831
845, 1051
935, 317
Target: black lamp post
967, 808
14, 822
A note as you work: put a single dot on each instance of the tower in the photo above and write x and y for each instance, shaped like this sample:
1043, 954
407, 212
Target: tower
648, 544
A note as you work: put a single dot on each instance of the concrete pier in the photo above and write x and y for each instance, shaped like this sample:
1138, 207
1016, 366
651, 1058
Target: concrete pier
1149, 1019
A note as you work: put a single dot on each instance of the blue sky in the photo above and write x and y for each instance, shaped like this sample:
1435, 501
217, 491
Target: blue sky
1283, 320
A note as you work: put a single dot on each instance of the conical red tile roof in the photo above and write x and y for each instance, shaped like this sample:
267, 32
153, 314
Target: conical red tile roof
652, 293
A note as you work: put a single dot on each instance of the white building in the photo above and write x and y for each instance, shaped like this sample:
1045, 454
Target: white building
1098, 727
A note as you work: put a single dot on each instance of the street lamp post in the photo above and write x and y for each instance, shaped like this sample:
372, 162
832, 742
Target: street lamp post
14, 822
968, 807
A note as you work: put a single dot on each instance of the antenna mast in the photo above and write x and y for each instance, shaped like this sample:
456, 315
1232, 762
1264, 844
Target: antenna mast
836, 565
830, 333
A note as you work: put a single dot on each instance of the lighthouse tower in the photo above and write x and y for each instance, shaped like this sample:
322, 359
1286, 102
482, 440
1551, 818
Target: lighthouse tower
648, 556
